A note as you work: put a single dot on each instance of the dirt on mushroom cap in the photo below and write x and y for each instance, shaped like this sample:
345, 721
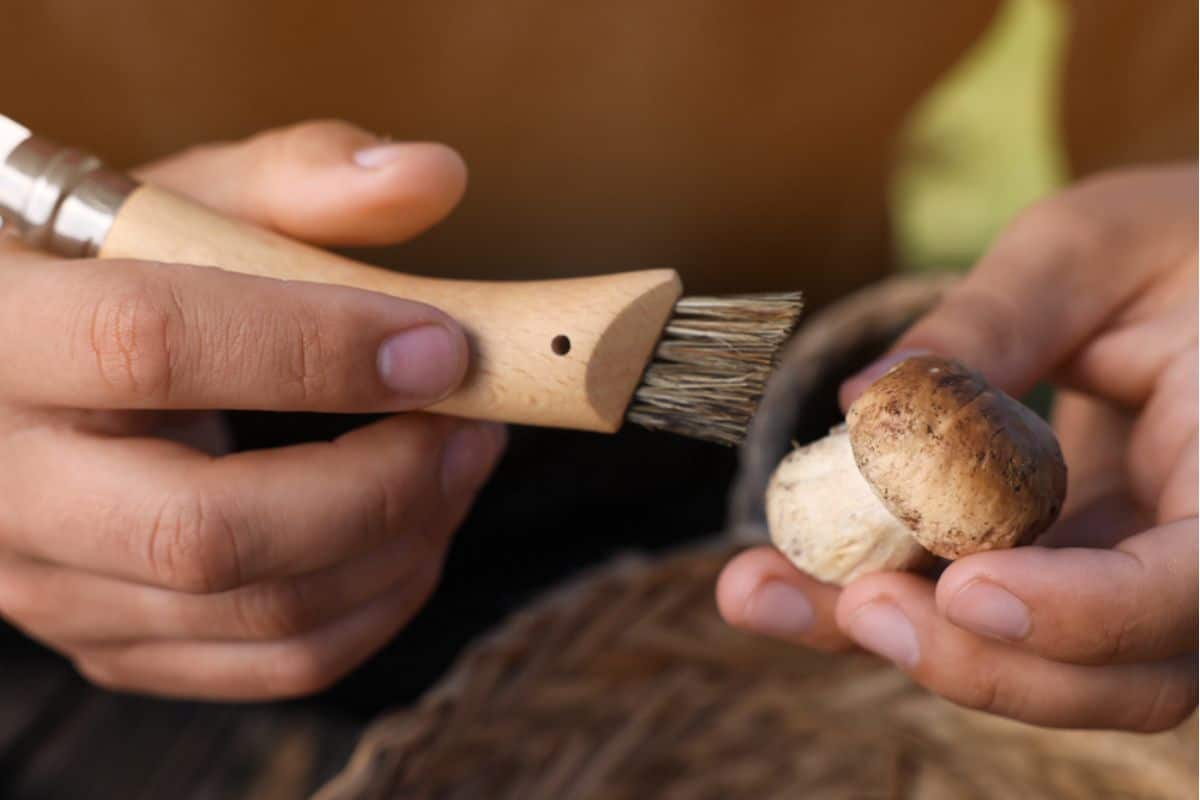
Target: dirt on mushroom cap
964, 466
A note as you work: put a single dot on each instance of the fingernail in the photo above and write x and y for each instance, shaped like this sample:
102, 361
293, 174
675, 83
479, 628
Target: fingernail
423, 364
983, 607
776, 609
883, 629
468, 456
857, 383
380, 154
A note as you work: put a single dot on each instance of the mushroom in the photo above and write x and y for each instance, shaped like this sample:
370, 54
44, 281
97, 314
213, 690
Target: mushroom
931, 461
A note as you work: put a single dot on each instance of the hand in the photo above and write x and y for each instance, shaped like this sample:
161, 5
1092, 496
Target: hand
1095, 626
161, 568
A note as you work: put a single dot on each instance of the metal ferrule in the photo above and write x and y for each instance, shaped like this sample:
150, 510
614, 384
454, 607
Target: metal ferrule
59, 199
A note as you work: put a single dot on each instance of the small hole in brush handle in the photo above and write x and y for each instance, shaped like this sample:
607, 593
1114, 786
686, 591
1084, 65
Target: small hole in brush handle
561, 345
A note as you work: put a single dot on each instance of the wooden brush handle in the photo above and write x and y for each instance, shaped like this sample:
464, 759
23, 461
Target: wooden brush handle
516, 329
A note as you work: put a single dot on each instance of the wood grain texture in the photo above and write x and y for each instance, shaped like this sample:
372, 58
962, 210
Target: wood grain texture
612, 322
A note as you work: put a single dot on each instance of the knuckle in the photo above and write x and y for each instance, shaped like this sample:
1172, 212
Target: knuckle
277, 610
269, 156
985, 316
191, 546
392, 504
1174, 700
1065, 229
296, 142
300, 669
130, 336
303, 357
399, 494
1116, 636
985, 689
382, 502
1125, 625
308, 130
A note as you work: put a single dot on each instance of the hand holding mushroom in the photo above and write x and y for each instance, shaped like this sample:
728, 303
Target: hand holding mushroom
1095, 623
931, 460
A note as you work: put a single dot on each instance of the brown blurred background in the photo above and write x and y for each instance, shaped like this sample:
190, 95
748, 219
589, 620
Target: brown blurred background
750, 145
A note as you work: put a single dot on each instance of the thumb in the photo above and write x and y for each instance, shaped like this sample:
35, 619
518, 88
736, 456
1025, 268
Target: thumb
325, 182
1042, 292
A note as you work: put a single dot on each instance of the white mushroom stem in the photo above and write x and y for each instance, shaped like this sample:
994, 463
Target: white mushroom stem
828, 521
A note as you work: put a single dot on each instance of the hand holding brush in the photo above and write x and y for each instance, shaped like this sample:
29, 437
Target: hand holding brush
156, 567
582, 353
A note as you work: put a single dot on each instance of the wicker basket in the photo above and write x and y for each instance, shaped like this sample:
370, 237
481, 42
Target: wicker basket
626, 684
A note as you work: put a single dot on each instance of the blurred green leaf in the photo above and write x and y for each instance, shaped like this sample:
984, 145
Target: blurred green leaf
983, 143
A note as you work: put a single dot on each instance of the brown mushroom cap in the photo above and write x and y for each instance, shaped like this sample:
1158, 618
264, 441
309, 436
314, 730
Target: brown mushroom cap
965, 467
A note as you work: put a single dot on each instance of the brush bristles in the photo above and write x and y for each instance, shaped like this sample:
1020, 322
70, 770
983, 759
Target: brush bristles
712, 364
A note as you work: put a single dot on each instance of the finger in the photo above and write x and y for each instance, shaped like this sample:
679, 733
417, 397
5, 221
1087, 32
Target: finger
292, 667
127, 334
1134, 603
1049, 283
326, 182
1098, 512
1163, 441
894, 615
77, 608
1135, 346
1178, 496
1094, 437
1103, 523
761, 592
206, 431
155, 512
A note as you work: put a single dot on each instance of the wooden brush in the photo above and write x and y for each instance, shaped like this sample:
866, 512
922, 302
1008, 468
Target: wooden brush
581, 353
